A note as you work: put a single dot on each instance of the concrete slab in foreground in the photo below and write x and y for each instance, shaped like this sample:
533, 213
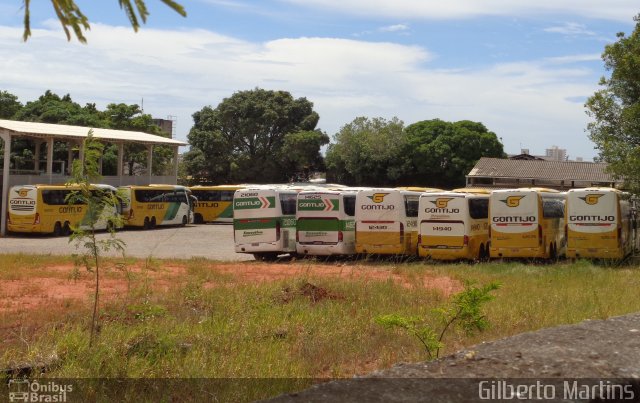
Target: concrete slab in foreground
596, 360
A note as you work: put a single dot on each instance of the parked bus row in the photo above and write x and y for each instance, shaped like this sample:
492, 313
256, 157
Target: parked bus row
51, 209
46, 209
441, 225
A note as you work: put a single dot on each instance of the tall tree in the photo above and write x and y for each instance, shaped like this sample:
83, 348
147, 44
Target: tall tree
9, 105
243, 137
72, 18
367, 152
131, 117
51, 108
442, 153
615, 109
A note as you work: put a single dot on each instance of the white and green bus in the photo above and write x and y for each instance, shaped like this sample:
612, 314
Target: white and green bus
264, 221
326, 223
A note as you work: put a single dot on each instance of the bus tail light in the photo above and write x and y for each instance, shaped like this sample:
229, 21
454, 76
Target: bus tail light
340, 236
130, 214
620, 236
36, 220
401, 233
465, 240
297, 236
8, 218
419, 239
539, 234
277, 231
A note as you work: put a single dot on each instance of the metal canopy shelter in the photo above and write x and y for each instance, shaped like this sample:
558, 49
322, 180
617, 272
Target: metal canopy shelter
75, 134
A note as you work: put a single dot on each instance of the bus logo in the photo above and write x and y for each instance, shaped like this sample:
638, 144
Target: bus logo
23, 192
377, 197
441, 202
512, 201
592, 198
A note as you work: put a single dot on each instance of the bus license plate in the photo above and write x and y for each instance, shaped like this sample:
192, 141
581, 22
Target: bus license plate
255, 244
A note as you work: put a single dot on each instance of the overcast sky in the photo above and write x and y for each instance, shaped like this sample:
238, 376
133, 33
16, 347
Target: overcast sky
523, 68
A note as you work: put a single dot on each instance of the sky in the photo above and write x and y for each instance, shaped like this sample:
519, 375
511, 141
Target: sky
523, 68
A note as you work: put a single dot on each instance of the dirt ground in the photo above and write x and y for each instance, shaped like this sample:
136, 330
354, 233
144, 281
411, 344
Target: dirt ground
57, 285
53, 292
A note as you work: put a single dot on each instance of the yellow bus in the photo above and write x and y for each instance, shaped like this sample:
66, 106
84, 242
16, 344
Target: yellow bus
387, 221
454, 225
599, 223
215, 203
527, 223
152, 205
45, 209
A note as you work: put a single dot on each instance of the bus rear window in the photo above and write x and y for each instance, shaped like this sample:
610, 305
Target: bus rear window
350, 205
411, 206
552, 208
288, 202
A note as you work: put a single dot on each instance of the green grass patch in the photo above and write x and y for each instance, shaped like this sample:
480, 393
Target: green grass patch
309, 326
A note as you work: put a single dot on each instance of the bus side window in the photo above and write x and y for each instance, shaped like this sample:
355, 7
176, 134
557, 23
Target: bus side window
479, 208
226, 195
288, 203
350, 205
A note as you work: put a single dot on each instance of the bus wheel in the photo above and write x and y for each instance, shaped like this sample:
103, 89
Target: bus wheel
153, 222
66, 229
482, 255
57, 229
197, 219
184, 220
146, 224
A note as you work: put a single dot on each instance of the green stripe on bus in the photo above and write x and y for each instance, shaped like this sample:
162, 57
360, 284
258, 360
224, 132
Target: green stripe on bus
172, 211
245, 203
318, 205
319, 225
254, 223
227, 212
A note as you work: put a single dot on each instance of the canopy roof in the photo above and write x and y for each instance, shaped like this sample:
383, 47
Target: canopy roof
45, 130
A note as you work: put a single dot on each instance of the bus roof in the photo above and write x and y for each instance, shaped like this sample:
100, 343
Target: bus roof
472, 190
419, 189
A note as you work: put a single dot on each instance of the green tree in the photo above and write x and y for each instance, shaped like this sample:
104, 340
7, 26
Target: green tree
442, 153
367, 152
51, 108
300, 154
131, 117
9, 105
101, 204
243, 137
615, 109
72, 18
463, 312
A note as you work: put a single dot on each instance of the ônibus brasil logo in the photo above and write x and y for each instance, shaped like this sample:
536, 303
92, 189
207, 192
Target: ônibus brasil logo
441, 202
377, 197
592, 199
512, 201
